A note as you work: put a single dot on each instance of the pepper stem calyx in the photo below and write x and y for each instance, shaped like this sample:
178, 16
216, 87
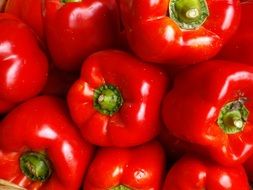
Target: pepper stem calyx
233, 117
36, 166
188, 14
107, 99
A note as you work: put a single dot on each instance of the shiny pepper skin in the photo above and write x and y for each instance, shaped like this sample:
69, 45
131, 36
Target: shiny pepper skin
194, 173
117, 99
23, 64
76, 29
40, 147
177, 32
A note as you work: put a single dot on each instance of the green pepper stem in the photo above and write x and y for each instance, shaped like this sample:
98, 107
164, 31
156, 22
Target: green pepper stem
121, 187
188, 14
107, 99
36, 166
233, 117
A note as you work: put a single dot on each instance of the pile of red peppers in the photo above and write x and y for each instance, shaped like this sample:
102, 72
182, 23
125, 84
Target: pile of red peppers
126, 94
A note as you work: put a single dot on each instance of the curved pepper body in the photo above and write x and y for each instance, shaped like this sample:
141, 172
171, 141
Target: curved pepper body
141, 167
43, 125
75, 30
155, 37
204, 107
23, 65
191, 172
239, 47
141, 88
30, 12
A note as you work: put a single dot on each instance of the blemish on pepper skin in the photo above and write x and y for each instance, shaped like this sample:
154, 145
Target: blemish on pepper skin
140, 175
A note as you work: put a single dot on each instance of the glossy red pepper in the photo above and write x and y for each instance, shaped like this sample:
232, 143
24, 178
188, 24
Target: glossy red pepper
29, 11
77, 28
198, 173
179, 31
210, 105
240, 46
140, 167
23, 64
116, 101
41, 148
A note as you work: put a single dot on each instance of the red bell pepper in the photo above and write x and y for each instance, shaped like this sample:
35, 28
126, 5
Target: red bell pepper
210, 105
179, 31
77, 28
116, 101
23, 64
29, 11
41, 148
240, 46
198, 173
140, 167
